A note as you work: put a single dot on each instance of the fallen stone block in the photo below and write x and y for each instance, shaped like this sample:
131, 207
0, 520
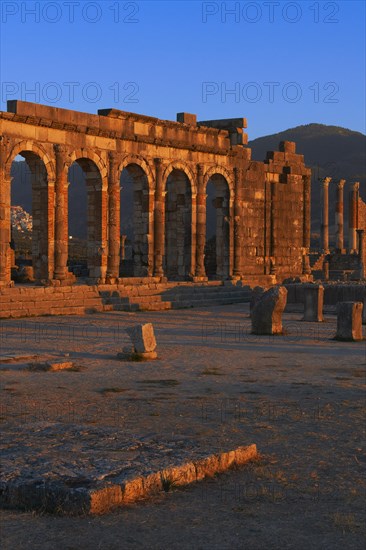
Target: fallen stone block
51, 366
349, 321
313, 303
267, 311
142, 337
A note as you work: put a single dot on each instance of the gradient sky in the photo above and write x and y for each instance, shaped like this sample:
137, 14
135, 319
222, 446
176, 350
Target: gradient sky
287, 63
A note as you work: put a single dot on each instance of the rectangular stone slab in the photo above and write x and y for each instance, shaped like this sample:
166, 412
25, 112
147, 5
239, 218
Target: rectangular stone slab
53, 497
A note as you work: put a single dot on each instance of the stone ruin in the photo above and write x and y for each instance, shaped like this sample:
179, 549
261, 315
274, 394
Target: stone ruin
349, 321
341, 263
143, 343
267, 311
313, 303
262, 209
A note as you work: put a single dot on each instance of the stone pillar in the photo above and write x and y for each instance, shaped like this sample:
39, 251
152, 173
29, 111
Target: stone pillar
325, 215
339, 213
313, 303
159, 219
122, 247
113, 218
353, 215
306, 269
61, 216
273, 269
361, 251
364, 312
5, 181
237, 271
201, 224
349, 321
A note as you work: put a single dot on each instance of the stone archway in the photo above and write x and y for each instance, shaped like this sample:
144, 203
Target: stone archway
178, 226
96, 220
42, 175
217, 249
136, 220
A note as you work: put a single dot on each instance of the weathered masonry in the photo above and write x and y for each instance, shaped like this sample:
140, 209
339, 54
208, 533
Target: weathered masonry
262, 208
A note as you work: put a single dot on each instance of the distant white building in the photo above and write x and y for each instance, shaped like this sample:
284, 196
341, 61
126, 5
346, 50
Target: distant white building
21, 220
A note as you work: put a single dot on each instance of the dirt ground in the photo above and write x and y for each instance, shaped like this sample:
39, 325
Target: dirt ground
299, 397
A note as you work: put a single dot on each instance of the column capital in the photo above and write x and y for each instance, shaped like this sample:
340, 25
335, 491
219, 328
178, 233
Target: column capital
356, 186
341, 184
60, 149
326, 181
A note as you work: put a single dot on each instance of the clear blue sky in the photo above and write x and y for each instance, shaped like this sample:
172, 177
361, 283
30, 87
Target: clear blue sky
287, 63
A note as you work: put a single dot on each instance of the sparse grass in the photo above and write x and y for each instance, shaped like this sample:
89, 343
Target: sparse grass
213, 371
168, 483
346, 522
112, 390
165, 382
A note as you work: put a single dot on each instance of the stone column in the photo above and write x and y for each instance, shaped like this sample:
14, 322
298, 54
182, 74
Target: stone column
339, 212
5, 270
325, 215
122, 247
237, 271
273, 269
353, 215
361, 251
201, 224
113, 218
313, 303
61, 216
306, 269
159, 219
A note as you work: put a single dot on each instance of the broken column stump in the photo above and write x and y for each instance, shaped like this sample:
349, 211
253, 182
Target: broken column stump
257, 292
349, 321
267, 311
313, 303
143, 343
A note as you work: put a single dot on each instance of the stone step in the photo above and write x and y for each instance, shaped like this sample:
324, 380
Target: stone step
154, 306
203, 296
